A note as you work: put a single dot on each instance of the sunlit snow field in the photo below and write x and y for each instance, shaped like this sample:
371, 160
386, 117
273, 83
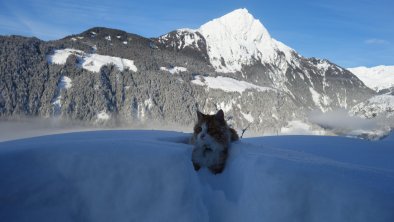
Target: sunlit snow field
136, 175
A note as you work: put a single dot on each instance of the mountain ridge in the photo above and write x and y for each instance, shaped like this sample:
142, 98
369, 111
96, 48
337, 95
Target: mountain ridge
378, 78
174, 76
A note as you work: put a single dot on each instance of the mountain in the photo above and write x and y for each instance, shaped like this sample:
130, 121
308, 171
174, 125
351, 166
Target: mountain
380, 108
108, 76
381, 104
233, 41
378, 78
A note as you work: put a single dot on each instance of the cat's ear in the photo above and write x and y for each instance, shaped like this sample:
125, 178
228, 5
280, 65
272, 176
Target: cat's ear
220, 116
199, 115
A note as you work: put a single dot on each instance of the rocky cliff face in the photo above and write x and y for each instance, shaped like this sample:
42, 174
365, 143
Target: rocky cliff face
231, 63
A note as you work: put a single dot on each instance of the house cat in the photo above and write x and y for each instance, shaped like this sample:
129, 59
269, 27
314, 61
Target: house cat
211, 138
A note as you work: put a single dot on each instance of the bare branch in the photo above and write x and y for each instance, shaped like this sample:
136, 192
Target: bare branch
244, 130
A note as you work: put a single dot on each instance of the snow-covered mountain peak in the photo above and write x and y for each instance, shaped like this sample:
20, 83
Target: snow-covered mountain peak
238, 39
377, 78
240, 24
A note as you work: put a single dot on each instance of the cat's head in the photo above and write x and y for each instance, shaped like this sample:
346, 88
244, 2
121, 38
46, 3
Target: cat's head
210, 127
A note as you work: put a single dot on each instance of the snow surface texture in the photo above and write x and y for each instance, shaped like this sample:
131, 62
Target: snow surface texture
248, 117
91, 62
376, 78
65, 83
174, 70
321, 101
238, 39
103, 116
227, 84
191, 38
148, 176
375, 106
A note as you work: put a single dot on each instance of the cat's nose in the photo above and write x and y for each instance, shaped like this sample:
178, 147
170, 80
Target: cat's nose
202, 136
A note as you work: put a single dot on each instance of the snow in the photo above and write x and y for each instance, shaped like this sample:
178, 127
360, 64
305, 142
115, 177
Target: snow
191, 38
174, 70
148, 176
226, 107
315, 97
57, 102
376, 78
94, 62
322, 101
234, 40
238, 39
248, 117
143, 108
227, 84
377, 105
91, 62
387, 100
64, 83
323, 66
342, 101
60, 56
148, 103
103, 116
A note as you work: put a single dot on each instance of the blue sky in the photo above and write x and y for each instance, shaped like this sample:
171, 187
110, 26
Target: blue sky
349, 33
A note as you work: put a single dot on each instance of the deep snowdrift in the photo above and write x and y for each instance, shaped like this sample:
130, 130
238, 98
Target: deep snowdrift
148, 176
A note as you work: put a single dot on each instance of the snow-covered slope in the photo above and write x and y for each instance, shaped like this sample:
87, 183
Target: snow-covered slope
92, 62
191, 38
64, 83
227, 84
232, 41
238, 39
381, 105
148, 176
238, 42
174, 70
376, 78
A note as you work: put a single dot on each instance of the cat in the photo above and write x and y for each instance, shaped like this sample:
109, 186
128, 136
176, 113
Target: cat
211, 138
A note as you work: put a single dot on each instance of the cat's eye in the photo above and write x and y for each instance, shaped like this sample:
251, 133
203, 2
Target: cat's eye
198, 129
